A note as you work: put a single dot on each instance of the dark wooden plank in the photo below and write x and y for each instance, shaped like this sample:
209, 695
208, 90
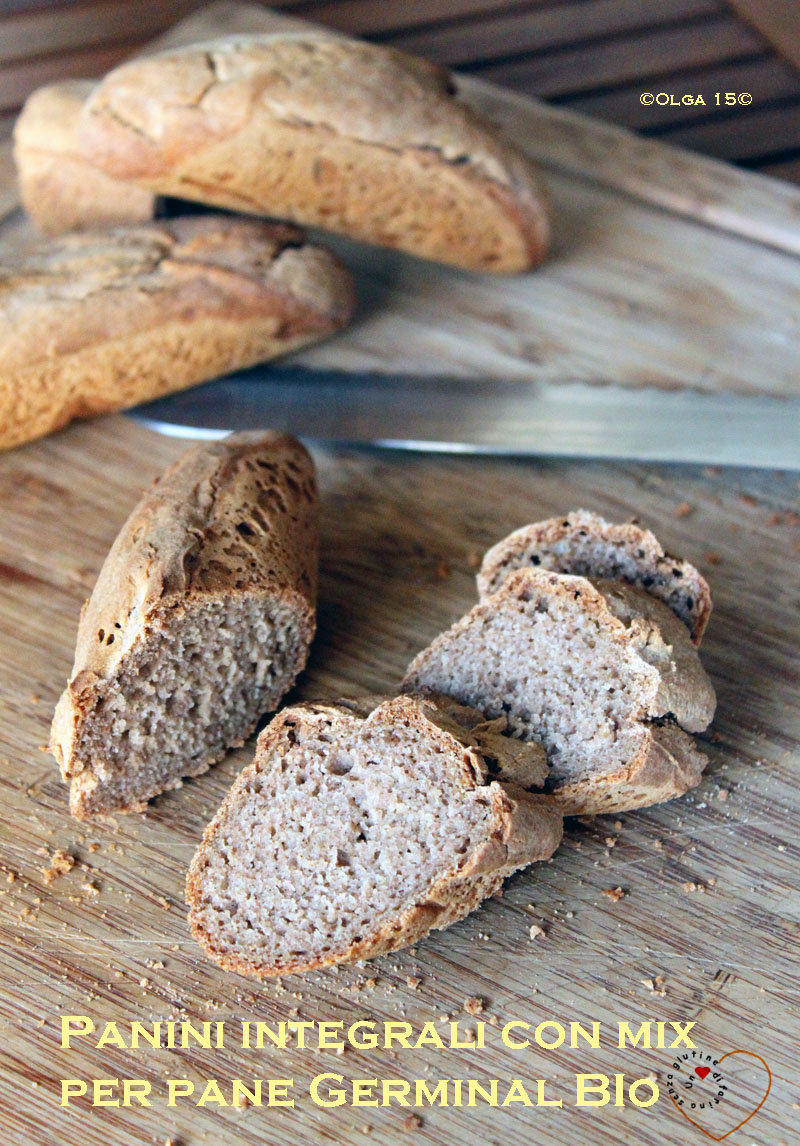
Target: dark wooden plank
756, 133
765, 79
49, 32
788, 168
777, 20
641, 57
372, 18
537, 30
18, 80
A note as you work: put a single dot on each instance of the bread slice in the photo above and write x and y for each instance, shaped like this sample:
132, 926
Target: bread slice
351, 835
602, 675
200, 620
59, 189
322, 130
100, 321
584, 543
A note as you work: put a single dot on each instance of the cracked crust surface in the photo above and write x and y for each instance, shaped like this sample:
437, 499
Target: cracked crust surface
326, 131
601, 674
61, 190
406, 832
95, 322
584, 543
230, 525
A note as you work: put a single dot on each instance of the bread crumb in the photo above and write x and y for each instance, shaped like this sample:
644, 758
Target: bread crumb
413, 981
683, 510
655, 985
412, 1122
537, 932
658, 844
614, 893
474, 1005
723, 794
474, 559
60, 864
610, 841
88, 887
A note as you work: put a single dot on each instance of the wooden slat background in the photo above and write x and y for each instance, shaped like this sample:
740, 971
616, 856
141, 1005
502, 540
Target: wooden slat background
594, 56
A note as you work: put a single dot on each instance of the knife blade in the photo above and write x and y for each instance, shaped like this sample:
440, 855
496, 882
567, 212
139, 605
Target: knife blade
462, 415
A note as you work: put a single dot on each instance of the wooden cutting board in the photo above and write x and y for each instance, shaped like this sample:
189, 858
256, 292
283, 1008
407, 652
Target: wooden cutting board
640, 289
706, 929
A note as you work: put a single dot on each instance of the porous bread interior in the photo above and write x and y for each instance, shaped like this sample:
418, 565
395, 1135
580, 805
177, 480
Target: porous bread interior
331, 836
556, 673
192, 686
584, 553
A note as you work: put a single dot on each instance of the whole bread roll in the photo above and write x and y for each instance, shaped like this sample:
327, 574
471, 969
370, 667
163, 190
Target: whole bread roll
201, 618
59, 189
95, 322
321, 130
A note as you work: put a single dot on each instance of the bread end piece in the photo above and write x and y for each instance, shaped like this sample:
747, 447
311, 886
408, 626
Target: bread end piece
585, 544
201, 619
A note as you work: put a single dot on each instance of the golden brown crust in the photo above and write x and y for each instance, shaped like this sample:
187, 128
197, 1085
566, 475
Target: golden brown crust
94, 322
324, 131
563, 545
671, 765
182, 543
60, 190
524, 828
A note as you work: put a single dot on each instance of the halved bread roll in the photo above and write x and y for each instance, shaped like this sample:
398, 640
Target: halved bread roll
201, 618
584, 543
324, 131
601, 674
355, 831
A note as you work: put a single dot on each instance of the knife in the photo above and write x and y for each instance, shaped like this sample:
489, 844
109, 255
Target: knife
462, 415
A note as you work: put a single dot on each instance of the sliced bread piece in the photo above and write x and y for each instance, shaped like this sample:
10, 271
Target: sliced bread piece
590, 673
353, 137
101, 320
60, 190
585, 544
350, 835
200, 620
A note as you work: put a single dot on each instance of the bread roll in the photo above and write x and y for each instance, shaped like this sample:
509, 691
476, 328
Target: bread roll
200, 620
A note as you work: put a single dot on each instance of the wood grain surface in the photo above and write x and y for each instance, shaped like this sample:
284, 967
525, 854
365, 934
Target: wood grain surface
632, 294
710, 899
710, 881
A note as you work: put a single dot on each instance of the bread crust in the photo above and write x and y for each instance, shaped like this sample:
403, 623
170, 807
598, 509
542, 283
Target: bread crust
324, 131
667, 763
524, 828
182, 544
94, 322
561, 544
61, 190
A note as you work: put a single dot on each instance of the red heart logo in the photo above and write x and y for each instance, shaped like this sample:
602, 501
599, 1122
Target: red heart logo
702, 1071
